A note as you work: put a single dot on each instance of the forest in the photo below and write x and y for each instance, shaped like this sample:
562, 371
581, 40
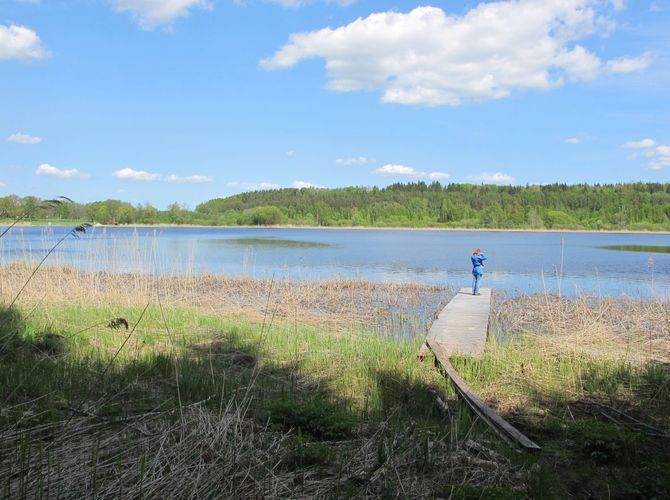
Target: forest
631, 206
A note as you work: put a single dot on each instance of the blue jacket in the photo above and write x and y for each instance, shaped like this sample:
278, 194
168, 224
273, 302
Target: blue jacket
478, 263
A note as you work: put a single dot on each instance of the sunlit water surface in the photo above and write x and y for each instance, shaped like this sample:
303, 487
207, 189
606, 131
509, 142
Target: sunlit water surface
519, 262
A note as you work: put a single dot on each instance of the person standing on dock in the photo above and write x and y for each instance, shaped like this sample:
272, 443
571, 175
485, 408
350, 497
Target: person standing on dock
477, 259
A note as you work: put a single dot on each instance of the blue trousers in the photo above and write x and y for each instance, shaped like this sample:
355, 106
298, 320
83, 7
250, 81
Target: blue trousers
476, 281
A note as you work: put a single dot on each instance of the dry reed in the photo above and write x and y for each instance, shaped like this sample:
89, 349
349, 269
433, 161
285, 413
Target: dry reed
207, 454
603, 328
339, 304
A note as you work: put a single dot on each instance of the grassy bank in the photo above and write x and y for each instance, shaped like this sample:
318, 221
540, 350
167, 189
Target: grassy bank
247, 388
275, 410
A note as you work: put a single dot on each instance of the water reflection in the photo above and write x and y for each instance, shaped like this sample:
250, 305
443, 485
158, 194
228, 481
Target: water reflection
519, 262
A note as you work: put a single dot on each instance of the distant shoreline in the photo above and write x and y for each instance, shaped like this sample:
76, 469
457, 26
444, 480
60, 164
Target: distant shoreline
373, 228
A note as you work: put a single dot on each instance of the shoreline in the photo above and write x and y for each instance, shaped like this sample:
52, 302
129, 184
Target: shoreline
372, 228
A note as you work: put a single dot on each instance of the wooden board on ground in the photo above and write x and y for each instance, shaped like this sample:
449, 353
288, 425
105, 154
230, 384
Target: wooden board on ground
499, 424
462, 326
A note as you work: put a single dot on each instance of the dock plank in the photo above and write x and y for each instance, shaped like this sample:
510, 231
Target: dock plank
503, 428
462, 326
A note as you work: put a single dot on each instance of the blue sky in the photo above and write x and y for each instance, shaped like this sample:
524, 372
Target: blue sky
186, 100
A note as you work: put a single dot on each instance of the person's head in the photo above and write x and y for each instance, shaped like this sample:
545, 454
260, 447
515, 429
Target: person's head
476, 251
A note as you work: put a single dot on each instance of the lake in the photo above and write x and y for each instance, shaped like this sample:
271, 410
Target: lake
611, 264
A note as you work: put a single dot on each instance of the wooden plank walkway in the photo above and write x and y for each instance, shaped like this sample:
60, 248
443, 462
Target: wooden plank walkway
462, 326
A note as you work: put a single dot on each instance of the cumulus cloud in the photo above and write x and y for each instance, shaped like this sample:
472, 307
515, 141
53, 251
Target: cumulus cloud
394, 170
630, 64
64, 173
149, 14
573, 140
657, 154
641, 144
137, 175
305, 184
290, 153
438, 176
618, 4
27, 139
430, 57
251, 186
403, 170
492, 178
190, 179
356, 160
141, 175
19, 42
660, 158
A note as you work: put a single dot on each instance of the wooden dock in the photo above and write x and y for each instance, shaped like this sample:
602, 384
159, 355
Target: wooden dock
462, 328
463, 324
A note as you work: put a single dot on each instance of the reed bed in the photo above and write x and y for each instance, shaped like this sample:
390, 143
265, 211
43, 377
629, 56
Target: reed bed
635, 331
400, 310
551, 352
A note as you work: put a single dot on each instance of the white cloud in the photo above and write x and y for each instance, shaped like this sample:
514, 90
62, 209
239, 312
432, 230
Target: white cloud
190, 179
250, 186
401, 170
660, 158
438, 176
356, 160
395, 170
629, 64
428, 56
19, 42
618, 4
65, 173
305, 184
290, 153
573, 140
642, 144
136, 175
149, 14
20, 138
492, 178
658, 154
2, 184
141, 175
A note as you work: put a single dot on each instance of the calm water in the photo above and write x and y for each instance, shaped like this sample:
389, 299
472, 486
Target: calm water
518, 262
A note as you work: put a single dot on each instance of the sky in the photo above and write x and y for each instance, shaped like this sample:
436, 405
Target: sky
162, 101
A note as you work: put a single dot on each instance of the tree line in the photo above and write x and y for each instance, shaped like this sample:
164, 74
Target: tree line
553, 206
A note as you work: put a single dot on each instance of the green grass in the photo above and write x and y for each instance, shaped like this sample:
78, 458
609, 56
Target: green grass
602, 422
337, 399
638, 248
313, 412
352, 367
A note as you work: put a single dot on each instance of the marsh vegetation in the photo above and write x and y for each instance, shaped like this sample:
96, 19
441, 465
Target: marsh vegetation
136, 385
